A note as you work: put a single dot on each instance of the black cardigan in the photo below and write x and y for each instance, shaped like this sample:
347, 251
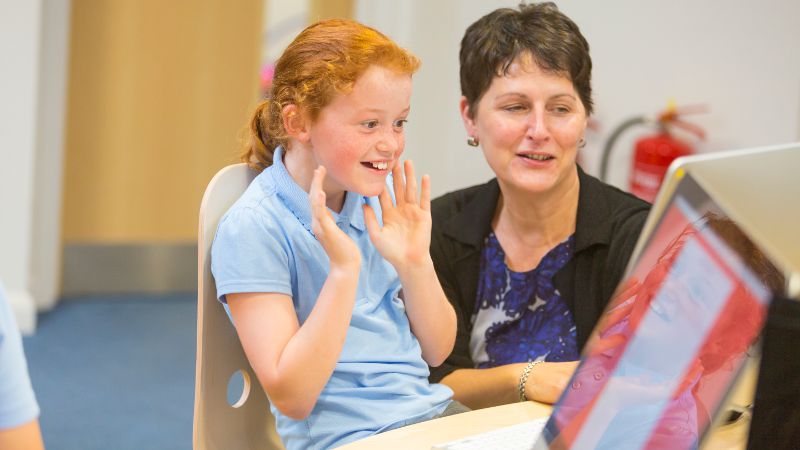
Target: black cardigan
607, 226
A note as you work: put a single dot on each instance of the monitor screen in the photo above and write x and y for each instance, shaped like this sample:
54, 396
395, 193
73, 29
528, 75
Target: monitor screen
673, 339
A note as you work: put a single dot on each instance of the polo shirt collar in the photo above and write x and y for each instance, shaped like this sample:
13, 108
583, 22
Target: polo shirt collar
474, 222
296, 199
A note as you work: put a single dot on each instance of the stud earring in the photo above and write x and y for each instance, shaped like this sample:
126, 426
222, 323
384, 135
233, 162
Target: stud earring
472, 141
582, 143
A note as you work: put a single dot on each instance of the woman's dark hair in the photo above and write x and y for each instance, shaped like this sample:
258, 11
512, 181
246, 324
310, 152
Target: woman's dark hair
496, 40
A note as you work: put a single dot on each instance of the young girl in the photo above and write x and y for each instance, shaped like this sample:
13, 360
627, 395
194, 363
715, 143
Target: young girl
332, 290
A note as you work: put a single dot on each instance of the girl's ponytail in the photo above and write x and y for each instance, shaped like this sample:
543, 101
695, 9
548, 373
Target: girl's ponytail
258, 145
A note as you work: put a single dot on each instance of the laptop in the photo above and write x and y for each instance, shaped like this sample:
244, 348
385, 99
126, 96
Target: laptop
673, 339
671, 343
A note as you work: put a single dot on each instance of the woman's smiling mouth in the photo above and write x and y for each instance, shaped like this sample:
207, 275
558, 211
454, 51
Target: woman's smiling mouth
536, 156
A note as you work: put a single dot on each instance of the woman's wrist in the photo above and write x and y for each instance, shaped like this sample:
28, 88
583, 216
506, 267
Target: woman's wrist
524, 378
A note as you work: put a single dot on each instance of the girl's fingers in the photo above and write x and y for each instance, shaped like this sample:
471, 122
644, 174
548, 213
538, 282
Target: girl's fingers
317, 197
385, 200
373, 228
397, 184
320, 210
319, 175
425, 195
316, 183
411, 183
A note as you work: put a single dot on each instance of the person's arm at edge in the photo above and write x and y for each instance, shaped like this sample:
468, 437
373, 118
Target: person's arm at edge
27, 436
19, 429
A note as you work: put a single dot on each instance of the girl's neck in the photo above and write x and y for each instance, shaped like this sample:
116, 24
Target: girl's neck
541, 220
300, 164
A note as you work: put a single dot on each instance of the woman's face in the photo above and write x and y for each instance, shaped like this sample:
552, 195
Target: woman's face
529, 123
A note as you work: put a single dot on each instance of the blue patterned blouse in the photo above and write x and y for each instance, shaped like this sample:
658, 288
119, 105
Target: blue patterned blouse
520, 316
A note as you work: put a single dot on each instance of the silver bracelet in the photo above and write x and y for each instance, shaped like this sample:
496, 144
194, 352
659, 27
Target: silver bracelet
524, 377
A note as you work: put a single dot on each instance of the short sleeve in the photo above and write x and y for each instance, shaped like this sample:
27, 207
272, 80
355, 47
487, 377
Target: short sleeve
17, 401
250, 254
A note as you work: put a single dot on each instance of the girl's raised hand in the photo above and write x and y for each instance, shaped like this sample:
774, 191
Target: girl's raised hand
341, 250
405, 237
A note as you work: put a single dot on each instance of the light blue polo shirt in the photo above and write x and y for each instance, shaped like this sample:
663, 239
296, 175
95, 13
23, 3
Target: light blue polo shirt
17, 402
264, 243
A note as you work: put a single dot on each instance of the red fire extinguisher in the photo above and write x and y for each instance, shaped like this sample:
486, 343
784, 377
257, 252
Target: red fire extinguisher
654, 153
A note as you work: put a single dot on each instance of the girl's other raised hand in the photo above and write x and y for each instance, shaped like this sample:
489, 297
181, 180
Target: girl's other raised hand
341, 250
405, 237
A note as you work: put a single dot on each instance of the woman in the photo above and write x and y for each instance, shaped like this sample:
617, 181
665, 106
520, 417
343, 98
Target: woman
529, 259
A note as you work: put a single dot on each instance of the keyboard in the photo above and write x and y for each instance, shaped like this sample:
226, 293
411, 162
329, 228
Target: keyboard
515, 437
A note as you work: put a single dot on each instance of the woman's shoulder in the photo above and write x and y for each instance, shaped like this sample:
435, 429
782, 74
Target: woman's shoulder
608, 215
611, 201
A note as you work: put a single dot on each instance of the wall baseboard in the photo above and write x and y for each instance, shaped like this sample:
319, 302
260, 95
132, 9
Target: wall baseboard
129, 268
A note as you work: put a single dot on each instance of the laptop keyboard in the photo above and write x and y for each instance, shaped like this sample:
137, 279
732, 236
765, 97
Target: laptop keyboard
515, 437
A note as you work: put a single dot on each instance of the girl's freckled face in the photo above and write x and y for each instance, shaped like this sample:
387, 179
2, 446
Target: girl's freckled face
360, 135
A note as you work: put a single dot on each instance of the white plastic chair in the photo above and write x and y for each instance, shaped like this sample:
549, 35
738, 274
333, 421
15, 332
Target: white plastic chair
248, 424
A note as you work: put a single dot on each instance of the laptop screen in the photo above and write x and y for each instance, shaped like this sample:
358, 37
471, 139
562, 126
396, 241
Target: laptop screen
673, 339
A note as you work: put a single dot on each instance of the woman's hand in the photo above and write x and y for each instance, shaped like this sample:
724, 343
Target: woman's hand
546, 381
405, 237
341, 250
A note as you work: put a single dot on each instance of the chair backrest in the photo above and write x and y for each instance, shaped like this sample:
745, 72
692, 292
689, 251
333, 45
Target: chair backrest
248, 424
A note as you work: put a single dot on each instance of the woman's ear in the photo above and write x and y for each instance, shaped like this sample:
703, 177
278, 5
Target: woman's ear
467, 116
295, 123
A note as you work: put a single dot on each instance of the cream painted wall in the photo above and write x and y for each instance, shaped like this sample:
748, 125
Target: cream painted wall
33, 41
283, 21
48, 173
20, 38
326, 9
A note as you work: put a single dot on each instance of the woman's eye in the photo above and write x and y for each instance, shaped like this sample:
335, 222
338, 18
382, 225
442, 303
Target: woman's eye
400, 123
370, 124
561, 110
514, 108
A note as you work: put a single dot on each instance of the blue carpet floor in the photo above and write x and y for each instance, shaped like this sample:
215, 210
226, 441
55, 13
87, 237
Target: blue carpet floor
115, 372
